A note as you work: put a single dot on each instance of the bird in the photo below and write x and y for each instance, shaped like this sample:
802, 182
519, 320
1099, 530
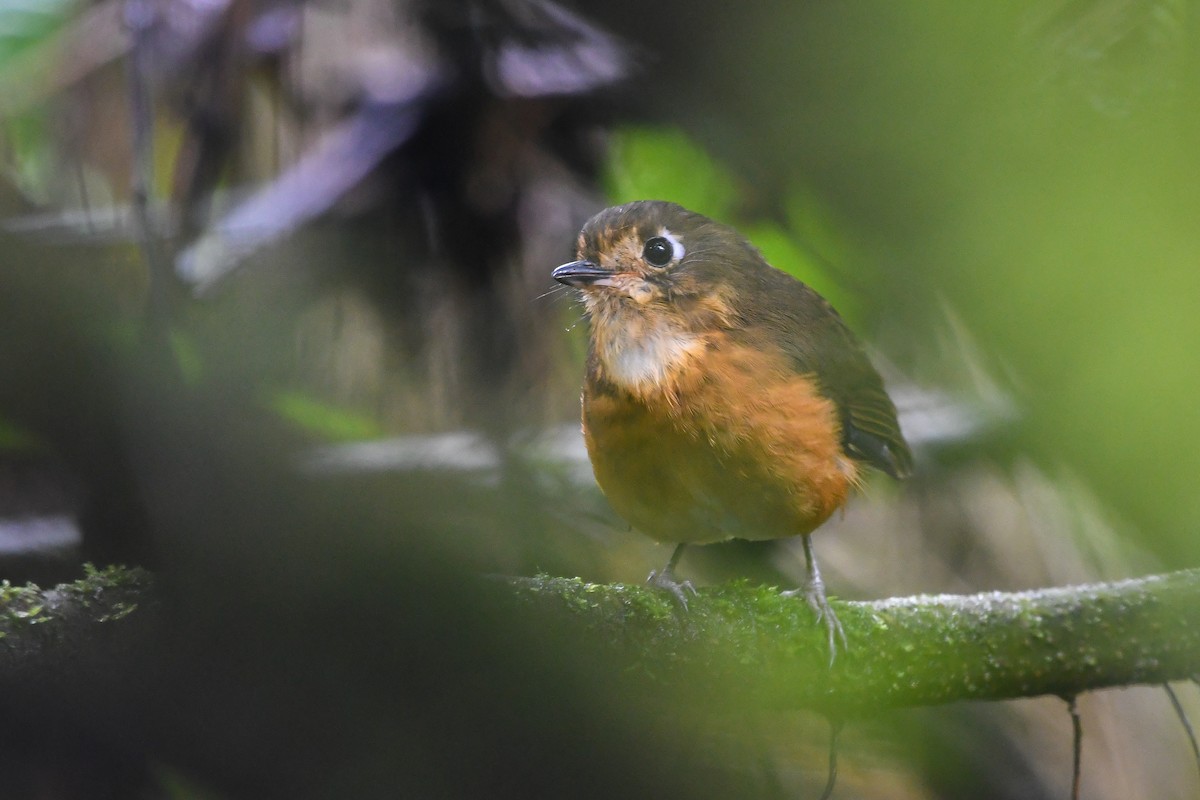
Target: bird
723, 398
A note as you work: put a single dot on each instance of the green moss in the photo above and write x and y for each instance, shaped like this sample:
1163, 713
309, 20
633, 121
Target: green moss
24, 606
99, 580
21, 606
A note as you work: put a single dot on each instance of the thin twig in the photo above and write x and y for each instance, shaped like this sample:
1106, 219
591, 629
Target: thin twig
1183, 719
1076, 745
138, 18
835, 730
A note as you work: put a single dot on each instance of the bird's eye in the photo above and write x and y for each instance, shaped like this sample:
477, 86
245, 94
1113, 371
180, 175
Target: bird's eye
658, 252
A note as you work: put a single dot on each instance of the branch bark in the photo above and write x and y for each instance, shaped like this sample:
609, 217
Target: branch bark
747, 644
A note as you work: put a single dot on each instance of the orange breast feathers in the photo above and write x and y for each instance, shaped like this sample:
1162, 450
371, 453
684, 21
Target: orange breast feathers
729, 442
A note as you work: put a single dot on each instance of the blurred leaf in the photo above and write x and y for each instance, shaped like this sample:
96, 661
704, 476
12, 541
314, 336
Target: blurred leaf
648, 163
187, 358
32, 159
326, 421
25, 23
663, 163
781, 250
15, 439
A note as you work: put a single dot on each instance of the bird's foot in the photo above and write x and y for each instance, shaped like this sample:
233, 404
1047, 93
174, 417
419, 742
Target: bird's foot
665, 579
814, 594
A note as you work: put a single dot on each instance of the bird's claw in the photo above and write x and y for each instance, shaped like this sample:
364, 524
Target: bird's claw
814, 595
663, 579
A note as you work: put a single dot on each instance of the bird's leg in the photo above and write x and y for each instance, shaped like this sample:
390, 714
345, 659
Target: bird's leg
665, 579
814, 593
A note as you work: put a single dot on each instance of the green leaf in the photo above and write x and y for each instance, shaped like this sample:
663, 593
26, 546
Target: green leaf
663, 163
322, 419
782, 251
655, 163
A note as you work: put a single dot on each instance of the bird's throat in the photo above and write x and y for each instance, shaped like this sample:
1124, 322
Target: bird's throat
643, 353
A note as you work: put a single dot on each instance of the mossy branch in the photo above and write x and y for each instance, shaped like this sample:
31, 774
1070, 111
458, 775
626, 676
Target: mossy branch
746, 644
50, 636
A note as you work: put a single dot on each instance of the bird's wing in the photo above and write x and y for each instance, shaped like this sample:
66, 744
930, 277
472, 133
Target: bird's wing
819, 343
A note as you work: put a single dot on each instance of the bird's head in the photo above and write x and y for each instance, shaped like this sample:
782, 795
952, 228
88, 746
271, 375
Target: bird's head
660, 283
657, 260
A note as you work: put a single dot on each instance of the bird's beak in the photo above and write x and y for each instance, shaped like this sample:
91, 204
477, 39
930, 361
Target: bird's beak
580, 274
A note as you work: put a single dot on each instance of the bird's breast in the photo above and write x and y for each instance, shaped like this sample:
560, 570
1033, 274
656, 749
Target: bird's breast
734, 445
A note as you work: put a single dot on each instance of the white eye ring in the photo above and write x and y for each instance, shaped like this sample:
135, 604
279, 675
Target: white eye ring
676, 245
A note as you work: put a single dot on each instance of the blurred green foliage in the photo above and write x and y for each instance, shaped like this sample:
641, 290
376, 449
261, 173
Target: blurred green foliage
322, 419
665, 163
24, 26
1030, 166
15, 439
26, 23
1040, 175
